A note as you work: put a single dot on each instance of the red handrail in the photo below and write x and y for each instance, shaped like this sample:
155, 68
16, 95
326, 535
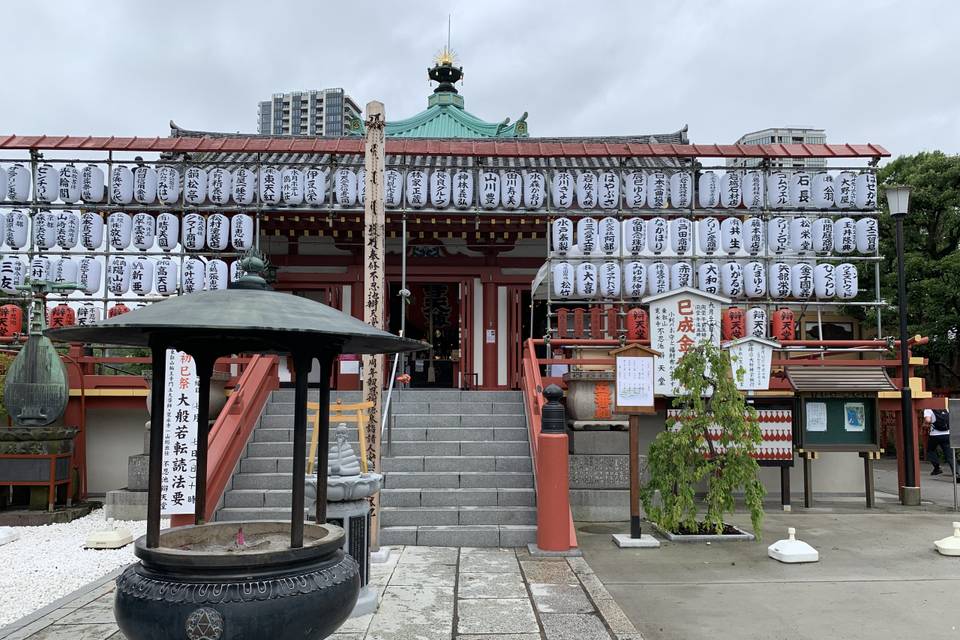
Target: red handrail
229, 434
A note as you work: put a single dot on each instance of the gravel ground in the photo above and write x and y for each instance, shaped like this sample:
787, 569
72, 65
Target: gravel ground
49, 562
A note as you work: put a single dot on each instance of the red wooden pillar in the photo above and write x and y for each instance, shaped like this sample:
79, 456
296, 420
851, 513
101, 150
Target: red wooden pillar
490, 364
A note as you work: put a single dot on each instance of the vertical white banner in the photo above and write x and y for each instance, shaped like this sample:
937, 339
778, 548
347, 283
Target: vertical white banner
181, 402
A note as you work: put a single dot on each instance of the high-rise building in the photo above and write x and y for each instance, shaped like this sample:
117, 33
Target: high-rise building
322, 112
783, 135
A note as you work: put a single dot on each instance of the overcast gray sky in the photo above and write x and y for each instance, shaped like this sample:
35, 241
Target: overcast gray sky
586, 67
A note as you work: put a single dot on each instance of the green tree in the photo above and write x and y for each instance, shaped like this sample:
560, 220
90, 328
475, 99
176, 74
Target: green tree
932, 235
677, 460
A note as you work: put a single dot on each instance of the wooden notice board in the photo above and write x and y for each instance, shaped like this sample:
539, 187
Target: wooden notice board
633, 379
838, 422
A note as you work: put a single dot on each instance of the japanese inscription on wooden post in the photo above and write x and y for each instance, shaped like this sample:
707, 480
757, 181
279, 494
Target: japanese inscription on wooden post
181, 402
373, 279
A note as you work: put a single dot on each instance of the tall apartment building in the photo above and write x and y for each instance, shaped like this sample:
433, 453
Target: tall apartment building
323, 112
784, 135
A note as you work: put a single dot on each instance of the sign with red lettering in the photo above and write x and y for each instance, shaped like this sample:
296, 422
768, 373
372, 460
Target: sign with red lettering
181, 402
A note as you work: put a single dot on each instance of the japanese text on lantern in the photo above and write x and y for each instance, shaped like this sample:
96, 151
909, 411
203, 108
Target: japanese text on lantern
678, 323
181, 395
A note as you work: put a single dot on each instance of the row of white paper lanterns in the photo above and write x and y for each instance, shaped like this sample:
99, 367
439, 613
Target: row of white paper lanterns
506, 189
140, 275
707, 236
752, 280
67, 229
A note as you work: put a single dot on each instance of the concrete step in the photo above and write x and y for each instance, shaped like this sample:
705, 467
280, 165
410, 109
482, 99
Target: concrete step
419, 395
451, 463
438, 516
474, 497
403, 433
463, 407
460, 535
455, 448
233, 514
457, 420
448, 479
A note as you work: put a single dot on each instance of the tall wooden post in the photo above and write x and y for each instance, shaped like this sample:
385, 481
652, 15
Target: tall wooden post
373, 287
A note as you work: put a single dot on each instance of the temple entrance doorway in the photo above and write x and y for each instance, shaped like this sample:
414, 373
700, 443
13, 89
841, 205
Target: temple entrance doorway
435, 315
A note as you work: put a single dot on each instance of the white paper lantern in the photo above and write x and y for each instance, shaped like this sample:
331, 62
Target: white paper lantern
708, 236
731, 235
244, 186
168, 231
757, 322
236, 271
801, 196
217, 274
269, 184
562, 188
218, 232
730, 196
801, 234
708, 190
779, 280
166, 279
821, 190
219, 185
90, 275
119, 227
463, 190
634, 234
241, 231
534, 190
587, 235
658, 235
44, 230
118, 275
69, 184
64, 271
731, 279
168, 185
867, 235
193, 235
195, 185
68, 229
681, 190
708, 277
18, 183
87, 315
822, 234
778, 235
778, 190
121, 185
681, 235
754, 279
636, 189
393, 188
609, 280
562, 275
562, 232
587, 280
801, 280
141, 275
3, 226
4, 183
144, 231
753, 235
658, 188
145, 185
40, 269
608, 190
609, 232
752, 190
681, 275
361, 186
194, 275
16, 232
658, 278
91, 230
46, 185
586, 190
10, 268
292, 185
847, 281
824, 281
489, 190
844, 189
440, 189
315, 185
844, 235
417, 187
511, 189
865, 190
634, 279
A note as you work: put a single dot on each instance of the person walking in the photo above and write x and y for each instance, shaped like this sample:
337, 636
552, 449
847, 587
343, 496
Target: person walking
939, 423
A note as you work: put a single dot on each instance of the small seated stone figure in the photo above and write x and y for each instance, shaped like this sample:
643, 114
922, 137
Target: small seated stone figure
343, 461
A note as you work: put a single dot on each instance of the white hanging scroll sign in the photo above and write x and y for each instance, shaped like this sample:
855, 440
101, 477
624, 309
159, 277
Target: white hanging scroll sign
634, 379
181, 402
751, 358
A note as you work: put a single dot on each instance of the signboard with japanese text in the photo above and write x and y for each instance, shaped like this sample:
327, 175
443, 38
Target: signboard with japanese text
679, 320
633, 374
181, 401
750, 358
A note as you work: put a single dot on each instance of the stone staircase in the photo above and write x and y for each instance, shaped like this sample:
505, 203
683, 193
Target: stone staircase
458, 473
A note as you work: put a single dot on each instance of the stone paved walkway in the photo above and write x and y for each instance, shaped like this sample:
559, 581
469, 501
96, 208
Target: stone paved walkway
427, 593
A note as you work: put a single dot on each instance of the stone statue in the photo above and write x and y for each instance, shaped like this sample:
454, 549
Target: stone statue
342, 461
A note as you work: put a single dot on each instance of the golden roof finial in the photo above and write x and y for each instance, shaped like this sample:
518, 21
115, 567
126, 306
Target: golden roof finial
446, 56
